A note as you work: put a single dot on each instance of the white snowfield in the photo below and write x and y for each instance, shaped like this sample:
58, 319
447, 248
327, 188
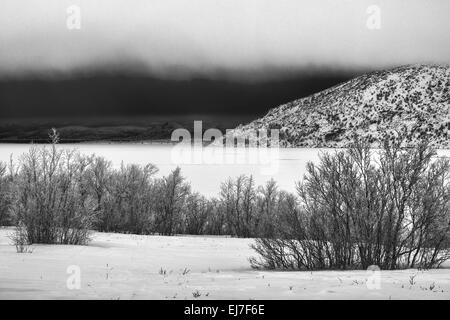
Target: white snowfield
119, 266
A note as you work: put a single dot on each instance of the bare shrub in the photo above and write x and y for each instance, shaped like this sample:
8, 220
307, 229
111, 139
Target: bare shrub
133, 197
358, 209
172, 192
20, 240
99, 181
5, 196
215, 220
195, 214
267, 207
238, 199
50, 201
124, 198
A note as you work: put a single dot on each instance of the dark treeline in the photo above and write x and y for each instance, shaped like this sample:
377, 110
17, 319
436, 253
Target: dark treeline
351, 210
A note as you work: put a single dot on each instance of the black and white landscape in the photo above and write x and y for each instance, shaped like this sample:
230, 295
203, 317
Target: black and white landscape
224, 149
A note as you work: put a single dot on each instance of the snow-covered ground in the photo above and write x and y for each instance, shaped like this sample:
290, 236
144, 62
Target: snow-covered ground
118, 266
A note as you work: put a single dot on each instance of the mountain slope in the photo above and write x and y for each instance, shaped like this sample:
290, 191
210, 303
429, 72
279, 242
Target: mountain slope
414, 99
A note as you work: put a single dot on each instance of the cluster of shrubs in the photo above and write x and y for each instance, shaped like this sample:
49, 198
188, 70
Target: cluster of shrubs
359, 207
354, 209
57, 196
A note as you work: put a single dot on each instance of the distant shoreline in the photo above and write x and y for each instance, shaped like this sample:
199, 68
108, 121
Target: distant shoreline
82, 141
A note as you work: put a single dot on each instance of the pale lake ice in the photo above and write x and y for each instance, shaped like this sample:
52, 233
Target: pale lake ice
204, 168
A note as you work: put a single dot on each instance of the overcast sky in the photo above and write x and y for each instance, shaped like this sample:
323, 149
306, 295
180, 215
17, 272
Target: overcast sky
204, 36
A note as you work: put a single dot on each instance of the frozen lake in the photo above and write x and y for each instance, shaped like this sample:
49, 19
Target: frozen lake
204, 167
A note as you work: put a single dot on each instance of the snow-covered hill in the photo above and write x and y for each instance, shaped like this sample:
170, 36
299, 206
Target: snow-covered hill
413, 99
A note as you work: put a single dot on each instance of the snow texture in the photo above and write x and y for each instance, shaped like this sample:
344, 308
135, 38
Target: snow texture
118, 266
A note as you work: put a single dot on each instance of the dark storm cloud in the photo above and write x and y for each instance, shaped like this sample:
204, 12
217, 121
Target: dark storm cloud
201, 56
118, 95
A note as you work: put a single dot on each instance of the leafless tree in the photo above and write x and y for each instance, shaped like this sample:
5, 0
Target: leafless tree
238, 200
267, 203
172, 193
5, 195
195, 214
